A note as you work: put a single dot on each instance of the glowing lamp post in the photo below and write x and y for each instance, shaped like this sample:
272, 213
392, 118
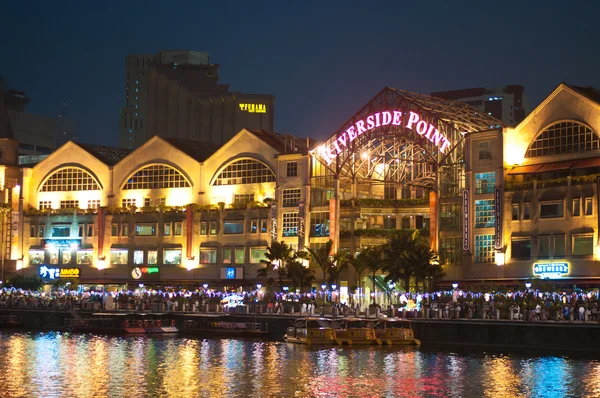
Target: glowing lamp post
528, 286
205, 286
323, 286
391, 286
454, 285
334, 290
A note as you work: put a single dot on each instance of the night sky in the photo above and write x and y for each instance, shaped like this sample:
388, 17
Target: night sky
322, 60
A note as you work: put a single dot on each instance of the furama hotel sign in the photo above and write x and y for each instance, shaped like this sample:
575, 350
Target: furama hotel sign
411, 121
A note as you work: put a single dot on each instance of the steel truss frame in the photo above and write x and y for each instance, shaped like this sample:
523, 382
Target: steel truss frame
397, 155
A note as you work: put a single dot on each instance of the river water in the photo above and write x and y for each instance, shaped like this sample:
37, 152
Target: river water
80, 365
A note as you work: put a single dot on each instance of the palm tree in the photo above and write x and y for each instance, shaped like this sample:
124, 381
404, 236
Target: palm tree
339, 262
299, 274
278, 257
396, 258
371, 259
359, 262
322, 257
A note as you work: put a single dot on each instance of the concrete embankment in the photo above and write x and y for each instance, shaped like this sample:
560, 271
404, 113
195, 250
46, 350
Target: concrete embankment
569, 336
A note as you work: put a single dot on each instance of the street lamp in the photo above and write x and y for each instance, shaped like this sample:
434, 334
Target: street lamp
258, 286
323, 286
454, 285
391, 287
205, 286
528, 285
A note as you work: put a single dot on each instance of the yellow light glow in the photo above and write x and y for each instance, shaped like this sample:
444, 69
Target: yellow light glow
101, 264
19, 265
514, 148
499, 259
190, 264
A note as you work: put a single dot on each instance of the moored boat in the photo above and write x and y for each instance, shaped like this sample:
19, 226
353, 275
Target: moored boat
111, 323
354, 331
212, 327
311, 330
392, 331
10, 322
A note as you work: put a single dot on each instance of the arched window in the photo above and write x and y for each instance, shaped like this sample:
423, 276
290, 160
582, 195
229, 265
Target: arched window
156, 176
564, 137
70, 179
245, 171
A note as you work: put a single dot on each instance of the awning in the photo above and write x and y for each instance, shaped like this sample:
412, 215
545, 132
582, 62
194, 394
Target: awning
209, 244
532, 168
171, 245
584, 163
555, 166
36, 247
119, 246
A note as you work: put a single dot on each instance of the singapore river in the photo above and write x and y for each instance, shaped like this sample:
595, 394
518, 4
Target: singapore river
72, 365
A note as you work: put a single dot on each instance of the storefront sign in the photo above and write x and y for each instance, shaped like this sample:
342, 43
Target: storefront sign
230, 273
380, 119
550, 270
465, 219
498, 215
56, 273
253, 108
138, 272
273, 221
62, 243
301, 225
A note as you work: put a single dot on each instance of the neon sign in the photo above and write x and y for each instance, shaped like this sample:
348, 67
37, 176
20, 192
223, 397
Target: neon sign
550, 270
253, 108
381, 119
138, 272
230, 273
55, 273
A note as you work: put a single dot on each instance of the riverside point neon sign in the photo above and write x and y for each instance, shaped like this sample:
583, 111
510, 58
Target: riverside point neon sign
380, 119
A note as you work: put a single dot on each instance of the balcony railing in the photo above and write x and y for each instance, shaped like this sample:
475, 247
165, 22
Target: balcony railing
378, 233
369, 202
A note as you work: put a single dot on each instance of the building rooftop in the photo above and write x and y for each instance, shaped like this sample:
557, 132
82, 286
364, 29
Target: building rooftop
283, 143
108, 155
198, 150
589, 91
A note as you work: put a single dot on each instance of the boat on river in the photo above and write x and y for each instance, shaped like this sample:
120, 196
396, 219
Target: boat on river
10, 322
312, 330
353, 331
111, 323
224, 328
393, 331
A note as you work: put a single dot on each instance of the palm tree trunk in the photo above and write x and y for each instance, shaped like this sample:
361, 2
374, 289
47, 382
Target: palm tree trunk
373, 292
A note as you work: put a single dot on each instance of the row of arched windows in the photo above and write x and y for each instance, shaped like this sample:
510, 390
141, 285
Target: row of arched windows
156, 176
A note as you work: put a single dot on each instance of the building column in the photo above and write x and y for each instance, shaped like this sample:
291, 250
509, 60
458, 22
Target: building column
334, 216
433, 220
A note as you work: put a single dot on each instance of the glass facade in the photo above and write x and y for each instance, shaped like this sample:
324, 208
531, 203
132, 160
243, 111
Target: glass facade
155, 177
319, 224
484, 249
564, 137
451, 250
245, 171
484, 213
290, 224
485, 182
70, 179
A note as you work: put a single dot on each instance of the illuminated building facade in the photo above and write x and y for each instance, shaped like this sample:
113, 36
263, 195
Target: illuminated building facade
498, 204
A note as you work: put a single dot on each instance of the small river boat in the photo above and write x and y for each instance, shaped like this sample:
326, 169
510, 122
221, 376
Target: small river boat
311, 330
111, 323
354, 331
393, 331
220, 327
10, 322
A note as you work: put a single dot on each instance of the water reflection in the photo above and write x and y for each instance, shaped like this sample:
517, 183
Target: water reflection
55, 364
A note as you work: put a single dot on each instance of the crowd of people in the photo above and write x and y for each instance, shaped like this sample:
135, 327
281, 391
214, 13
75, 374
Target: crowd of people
518, 305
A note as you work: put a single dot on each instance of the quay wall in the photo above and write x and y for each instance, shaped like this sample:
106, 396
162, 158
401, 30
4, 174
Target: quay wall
569, 336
